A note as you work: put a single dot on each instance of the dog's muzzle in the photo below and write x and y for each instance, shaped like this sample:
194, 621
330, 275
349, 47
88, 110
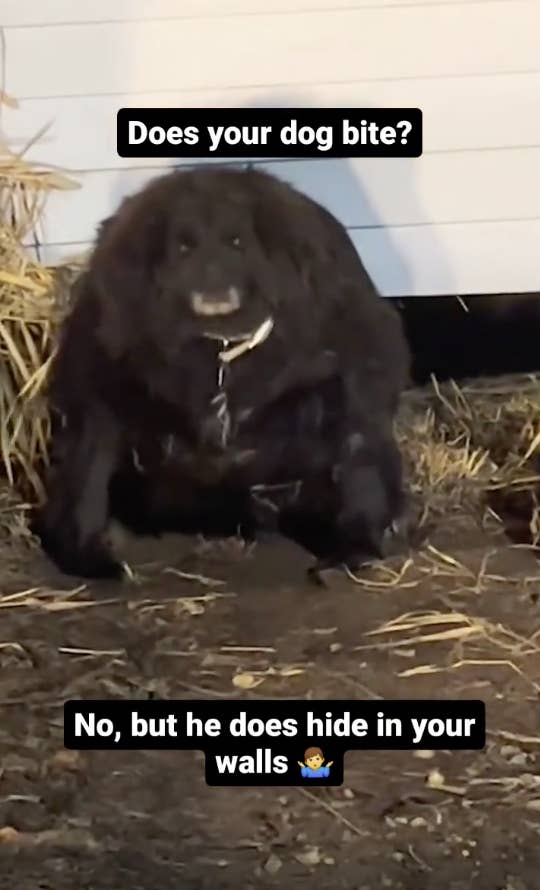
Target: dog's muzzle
211, 305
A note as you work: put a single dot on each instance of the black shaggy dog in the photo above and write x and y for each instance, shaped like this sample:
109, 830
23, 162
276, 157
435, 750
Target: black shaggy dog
227, 365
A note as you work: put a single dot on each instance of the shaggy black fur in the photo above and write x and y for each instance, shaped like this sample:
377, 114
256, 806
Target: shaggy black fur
141, 432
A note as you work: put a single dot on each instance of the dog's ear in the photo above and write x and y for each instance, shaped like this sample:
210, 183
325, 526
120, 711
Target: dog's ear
129, 249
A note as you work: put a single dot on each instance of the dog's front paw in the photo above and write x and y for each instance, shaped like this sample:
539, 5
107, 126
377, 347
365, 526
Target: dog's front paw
351, 564
92, 560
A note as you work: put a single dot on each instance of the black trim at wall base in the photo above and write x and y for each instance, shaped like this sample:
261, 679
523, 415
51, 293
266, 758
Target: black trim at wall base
472, 336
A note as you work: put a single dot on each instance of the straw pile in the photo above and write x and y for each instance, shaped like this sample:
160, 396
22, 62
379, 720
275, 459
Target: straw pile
474, 449
29, 314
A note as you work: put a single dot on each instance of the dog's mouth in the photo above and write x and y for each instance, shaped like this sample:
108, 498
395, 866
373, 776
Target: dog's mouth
232, 316
220, 304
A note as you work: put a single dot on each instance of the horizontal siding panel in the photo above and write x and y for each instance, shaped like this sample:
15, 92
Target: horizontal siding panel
389, 42
478, 258
438, 188
480, 112
37, 12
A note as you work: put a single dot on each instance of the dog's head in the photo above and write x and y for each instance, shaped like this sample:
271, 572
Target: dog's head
184, 259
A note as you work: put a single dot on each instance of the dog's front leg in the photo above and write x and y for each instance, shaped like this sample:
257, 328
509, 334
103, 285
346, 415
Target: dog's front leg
72, 522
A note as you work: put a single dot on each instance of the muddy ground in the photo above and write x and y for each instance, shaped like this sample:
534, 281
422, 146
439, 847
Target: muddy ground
143, 820
456, 614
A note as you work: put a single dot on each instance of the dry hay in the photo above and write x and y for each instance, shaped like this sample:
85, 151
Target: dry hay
473, 642
30, 310
475, 447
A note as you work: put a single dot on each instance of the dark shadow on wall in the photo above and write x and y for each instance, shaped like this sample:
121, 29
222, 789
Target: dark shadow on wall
343, 183
478, 336
450, 337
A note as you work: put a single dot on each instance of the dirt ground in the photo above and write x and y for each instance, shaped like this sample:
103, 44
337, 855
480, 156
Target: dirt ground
459, 616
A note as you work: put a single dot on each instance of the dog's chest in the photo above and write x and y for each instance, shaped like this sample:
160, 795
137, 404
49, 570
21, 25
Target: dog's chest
221, 417
240, 374
218, 439
227, 431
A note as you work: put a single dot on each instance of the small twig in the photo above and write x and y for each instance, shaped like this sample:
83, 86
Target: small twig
69, 650
200, 579
269, 649
333, 812
423, 865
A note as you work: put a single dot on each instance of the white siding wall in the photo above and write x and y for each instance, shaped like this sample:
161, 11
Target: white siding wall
463, 218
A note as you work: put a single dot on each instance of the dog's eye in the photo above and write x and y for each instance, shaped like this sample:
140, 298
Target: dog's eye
236, 242
184, 248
